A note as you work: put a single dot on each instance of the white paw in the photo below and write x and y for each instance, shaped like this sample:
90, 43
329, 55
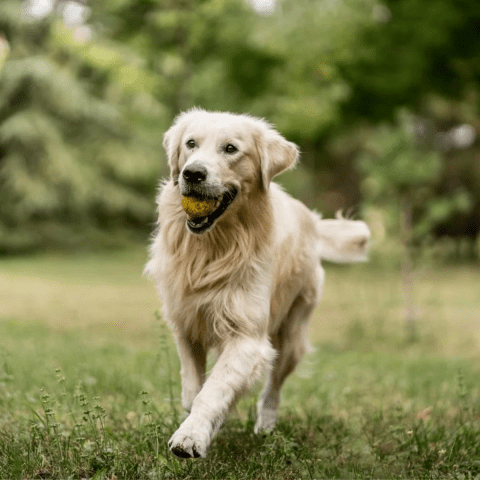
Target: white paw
190, 441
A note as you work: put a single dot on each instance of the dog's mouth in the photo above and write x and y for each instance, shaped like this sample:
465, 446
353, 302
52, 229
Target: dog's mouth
201, 224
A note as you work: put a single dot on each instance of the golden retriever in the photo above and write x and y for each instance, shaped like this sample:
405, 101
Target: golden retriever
243, 279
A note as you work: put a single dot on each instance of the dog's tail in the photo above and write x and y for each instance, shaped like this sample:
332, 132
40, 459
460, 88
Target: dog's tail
342, 240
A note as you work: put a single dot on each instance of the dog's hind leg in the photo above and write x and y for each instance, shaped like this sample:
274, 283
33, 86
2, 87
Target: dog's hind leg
193, 364
291, 343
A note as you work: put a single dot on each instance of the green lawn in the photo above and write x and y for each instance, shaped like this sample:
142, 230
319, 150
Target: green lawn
89, 383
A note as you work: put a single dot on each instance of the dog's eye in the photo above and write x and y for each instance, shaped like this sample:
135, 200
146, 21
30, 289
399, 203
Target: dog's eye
230, 148
191, 143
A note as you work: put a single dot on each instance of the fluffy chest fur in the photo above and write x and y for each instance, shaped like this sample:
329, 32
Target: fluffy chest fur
218, 284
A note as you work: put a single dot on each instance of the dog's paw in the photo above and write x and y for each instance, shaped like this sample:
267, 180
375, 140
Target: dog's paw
185, 446
266, 419
189, 443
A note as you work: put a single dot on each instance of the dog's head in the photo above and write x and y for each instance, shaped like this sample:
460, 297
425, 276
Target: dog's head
225, 157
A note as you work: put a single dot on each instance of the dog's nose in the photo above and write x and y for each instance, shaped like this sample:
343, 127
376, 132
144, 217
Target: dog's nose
195, 173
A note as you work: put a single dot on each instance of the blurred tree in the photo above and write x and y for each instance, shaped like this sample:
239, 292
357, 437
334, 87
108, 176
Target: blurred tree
68, 164
400, 174
83, 107
410, 49
306, 93
353, 63
92, 99
202, 52
426, 57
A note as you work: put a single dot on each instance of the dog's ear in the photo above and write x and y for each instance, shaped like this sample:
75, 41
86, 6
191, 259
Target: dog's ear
172, 147
276, 155
171, 143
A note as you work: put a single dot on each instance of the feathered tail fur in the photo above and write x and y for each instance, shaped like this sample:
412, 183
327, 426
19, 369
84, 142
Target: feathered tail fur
342, 240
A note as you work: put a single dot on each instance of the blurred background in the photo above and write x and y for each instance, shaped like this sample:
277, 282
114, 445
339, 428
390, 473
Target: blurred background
382, 98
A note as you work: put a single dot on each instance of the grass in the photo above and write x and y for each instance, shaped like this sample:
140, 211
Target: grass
89, 384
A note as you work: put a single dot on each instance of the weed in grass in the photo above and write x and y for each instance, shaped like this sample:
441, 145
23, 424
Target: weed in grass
5, 368
152, 427
61, 444
165, 358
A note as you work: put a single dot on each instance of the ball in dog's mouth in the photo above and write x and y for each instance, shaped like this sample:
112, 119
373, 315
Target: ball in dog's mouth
202, 212
195, 207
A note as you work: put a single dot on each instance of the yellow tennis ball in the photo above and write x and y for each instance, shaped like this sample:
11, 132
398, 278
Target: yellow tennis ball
198, 208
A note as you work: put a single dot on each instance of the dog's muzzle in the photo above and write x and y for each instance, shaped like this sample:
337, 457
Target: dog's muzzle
201, 224
194, 184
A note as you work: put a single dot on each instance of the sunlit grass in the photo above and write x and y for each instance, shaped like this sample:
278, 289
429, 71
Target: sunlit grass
365, 304
361, 303
90, 291
89, 383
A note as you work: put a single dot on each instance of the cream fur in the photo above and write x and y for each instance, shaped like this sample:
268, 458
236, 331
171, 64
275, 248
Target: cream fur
248, 286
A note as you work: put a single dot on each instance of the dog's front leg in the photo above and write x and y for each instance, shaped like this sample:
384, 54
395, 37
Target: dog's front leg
193, 362
240, 365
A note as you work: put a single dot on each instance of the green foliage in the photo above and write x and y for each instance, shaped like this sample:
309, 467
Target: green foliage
67, 159
307, 92
440, 209
201, 52
83, 106
399, 172
394, 163
410, 49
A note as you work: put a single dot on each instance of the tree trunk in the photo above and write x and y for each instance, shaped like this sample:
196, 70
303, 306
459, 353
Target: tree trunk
407, 269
